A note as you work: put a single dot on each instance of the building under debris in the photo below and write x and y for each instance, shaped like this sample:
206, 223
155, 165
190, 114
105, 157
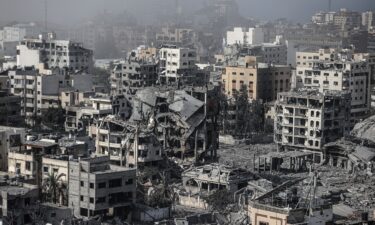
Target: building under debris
184, 121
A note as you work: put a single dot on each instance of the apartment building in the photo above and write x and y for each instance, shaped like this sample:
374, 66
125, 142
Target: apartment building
131, 75
263, 81
175, 63
368, 20
37, 93
11, 139
67, 55
308, 119
340, 74
98, 188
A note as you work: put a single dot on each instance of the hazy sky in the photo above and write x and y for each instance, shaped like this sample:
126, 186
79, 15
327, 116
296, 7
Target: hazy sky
72, 11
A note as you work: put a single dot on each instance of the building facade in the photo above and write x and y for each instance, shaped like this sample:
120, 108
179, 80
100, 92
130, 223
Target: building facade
308, 119
132, 75
97, 188
263, 81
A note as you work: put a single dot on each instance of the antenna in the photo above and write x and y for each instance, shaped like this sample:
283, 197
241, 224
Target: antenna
329, 5
45, 15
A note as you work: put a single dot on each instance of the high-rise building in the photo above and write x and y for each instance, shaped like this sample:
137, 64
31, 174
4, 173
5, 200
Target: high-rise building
176, 63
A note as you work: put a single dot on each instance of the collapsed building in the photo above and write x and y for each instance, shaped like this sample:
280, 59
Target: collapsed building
292, 202
126, 143
202, 181
184, 121
82, 118
352, 154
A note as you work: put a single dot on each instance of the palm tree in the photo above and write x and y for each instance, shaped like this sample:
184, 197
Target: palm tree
53, 187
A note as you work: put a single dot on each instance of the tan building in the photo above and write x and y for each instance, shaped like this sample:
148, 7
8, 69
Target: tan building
57, 165
263, 81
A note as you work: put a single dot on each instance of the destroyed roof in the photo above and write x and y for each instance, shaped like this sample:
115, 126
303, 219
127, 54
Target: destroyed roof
185, 104
218, 173
363, 153
365, 129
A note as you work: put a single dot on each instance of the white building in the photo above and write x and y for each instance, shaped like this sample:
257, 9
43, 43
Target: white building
18, 32
174, 61
252, 36
337, 72
368, 19
53, 53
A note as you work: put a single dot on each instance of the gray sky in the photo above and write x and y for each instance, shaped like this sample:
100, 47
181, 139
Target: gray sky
72, 11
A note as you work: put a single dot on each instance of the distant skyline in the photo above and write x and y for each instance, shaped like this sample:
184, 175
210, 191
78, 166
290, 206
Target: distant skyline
69, 12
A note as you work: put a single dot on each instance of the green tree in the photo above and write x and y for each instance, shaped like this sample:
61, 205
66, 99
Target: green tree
242, 107
54, 188
54, 117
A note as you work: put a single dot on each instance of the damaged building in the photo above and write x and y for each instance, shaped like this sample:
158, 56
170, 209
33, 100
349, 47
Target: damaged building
292, 202
308, 119
184, 121
202, 181
80, 118
132, 75
352, 154
125, 142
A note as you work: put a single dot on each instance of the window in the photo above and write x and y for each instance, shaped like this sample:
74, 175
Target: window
92, 185
130, 181
102, 185
83, 212
45, 169
263, 223
55, 170
81, 198
100, 200
82, 184
335, 83
115, 183
91, 200
28, 166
